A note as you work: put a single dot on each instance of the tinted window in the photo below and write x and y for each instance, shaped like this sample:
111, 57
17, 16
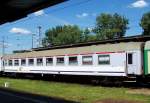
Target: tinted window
49, 61
23, 62
87, 60
5, 62
16, 62
130, 58
104, 59
10, 62
31, 62
73, 61
60, 61
39, 61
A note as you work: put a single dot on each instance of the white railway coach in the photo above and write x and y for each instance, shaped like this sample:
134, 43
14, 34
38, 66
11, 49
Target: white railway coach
109, 59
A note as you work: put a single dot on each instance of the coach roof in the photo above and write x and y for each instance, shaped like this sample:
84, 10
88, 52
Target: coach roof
116, 47
139, 38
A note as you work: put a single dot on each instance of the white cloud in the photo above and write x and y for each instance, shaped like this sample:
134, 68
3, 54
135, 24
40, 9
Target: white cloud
139, 4
20, 31
90, 29
39, 13
82, 15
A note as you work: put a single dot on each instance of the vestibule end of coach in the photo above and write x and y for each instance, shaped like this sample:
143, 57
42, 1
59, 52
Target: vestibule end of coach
147, 58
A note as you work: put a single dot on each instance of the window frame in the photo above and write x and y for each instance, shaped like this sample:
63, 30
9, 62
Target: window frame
61, 63
48, 63
29, 64
23, 64
71, 63
86, 63
104, 62
10, 62
39, 63
5, 62
16, 62
130, 61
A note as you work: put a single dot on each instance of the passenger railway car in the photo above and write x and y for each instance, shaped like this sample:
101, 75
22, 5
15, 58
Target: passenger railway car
116, 59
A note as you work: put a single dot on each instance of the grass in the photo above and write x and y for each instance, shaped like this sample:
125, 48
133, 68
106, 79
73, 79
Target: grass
73, 92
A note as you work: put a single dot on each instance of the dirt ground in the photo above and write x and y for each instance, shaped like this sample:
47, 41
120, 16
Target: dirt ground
115, 101
142, 91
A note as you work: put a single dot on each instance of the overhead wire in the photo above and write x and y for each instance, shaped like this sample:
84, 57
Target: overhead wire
52, 11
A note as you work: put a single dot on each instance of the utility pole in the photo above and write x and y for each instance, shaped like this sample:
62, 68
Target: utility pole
3, 46
39, 28
19, 39
3, 53
33, 40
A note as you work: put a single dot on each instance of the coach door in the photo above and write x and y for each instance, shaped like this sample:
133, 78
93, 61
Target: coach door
131, 62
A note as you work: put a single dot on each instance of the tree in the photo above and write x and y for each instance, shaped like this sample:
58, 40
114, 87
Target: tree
110, 26
88, 36
145, 23
62, 35
91, 38
50, 34
86, 33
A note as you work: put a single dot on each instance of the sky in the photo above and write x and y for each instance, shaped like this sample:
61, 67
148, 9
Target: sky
18, 34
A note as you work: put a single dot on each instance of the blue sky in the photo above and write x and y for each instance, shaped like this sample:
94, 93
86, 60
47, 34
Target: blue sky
79, 12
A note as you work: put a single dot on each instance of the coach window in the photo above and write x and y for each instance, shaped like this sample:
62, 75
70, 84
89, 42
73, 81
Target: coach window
104, 59
87, 60
31, 62
130, 58
16, 62
39, 61
60, 60
5, 62
23, 62
49, 61
10, 63
73, 60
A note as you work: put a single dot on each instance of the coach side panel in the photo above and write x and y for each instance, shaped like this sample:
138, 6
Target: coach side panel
100, 64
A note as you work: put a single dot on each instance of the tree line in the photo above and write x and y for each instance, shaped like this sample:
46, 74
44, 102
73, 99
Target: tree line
108, 26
